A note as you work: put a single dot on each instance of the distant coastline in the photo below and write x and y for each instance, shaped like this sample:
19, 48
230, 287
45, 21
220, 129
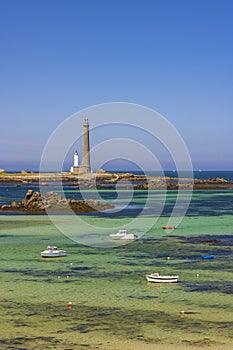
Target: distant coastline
196, 173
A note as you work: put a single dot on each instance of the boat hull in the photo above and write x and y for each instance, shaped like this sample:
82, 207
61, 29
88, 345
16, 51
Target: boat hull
162, 279
127, 237
52, 252
52, 255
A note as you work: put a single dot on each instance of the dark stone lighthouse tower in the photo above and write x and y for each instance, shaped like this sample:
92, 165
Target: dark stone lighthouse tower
86, 168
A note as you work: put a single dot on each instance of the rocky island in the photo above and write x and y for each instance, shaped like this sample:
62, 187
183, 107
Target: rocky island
35, 202
107, 180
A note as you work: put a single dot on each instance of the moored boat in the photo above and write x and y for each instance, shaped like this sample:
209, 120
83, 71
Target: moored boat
52, 252
156, 277
123, 235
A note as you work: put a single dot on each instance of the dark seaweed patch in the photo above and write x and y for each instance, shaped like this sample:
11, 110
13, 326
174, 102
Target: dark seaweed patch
84, 344
144, 297
23, 340
215, 286
81, 268
111, 319
213, 240
200, 343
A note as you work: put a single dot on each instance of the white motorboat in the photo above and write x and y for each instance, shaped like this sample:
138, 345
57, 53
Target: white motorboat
123, 235
52, 252
156, 277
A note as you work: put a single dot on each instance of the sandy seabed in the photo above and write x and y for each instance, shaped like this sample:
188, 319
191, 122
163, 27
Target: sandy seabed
114, 308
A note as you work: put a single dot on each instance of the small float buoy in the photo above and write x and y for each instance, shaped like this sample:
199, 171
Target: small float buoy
197, 274
182, 312
71, 264
70, 304
67, 277
168, 258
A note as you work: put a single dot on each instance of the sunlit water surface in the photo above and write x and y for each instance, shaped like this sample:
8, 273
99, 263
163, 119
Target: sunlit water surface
114, 307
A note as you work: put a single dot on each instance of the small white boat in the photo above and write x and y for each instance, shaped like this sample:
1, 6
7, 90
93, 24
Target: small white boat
156, 277
52, 252
123, 235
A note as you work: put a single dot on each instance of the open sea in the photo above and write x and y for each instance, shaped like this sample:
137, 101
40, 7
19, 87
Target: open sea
114, 307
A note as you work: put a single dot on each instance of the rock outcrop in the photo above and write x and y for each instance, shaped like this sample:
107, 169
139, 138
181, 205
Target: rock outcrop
35, 202
213, 183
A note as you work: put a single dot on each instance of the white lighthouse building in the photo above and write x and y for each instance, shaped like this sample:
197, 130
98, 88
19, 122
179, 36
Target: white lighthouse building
75, 167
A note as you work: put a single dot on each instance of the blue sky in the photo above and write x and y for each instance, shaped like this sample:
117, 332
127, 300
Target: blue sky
174, 56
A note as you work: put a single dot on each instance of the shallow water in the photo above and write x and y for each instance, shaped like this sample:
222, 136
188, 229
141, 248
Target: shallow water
114, 307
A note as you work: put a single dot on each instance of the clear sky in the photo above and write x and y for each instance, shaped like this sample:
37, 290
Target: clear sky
59, 56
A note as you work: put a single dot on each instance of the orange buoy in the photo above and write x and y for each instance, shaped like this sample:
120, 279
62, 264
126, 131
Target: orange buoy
70, 304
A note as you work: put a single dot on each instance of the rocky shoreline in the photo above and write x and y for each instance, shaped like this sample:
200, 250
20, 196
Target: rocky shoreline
50, 202
111, 180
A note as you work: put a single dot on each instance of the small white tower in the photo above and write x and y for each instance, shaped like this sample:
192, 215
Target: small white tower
75, 167
76, 158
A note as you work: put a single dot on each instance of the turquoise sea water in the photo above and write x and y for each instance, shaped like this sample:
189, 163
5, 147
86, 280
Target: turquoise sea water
114, 307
